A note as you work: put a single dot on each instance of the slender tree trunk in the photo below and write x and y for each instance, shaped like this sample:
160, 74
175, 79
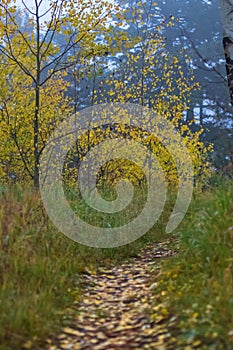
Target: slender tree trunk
227, 21
37, 101
36, 139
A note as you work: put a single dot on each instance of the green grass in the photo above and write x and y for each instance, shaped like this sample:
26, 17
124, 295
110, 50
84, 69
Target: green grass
197, 284
41, 269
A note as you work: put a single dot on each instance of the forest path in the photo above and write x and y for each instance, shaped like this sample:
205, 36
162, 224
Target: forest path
114, 313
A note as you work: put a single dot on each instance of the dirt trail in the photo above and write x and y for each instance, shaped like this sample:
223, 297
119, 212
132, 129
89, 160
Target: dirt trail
114, 313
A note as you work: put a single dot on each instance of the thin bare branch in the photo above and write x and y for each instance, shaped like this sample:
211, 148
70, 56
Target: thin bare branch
12, 57
56, 61
203, 59
54, 18
27, 8
21, 34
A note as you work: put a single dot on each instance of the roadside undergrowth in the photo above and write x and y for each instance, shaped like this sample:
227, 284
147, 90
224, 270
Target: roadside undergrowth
197, 283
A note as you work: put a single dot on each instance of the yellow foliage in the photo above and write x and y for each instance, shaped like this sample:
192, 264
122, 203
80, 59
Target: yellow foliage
149, 76
16, 121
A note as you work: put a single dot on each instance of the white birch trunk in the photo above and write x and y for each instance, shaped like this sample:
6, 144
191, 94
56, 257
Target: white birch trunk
227, 21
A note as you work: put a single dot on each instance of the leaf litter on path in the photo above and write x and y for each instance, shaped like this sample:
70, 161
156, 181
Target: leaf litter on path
115, 310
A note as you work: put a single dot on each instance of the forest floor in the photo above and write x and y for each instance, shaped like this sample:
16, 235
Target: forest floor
115, 312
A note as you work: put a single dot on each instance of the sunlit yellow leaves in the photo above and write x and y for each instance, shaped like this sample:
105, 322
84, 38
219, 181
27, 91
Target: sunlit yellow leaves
16, 123
33, 60
152, 77
147, 75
